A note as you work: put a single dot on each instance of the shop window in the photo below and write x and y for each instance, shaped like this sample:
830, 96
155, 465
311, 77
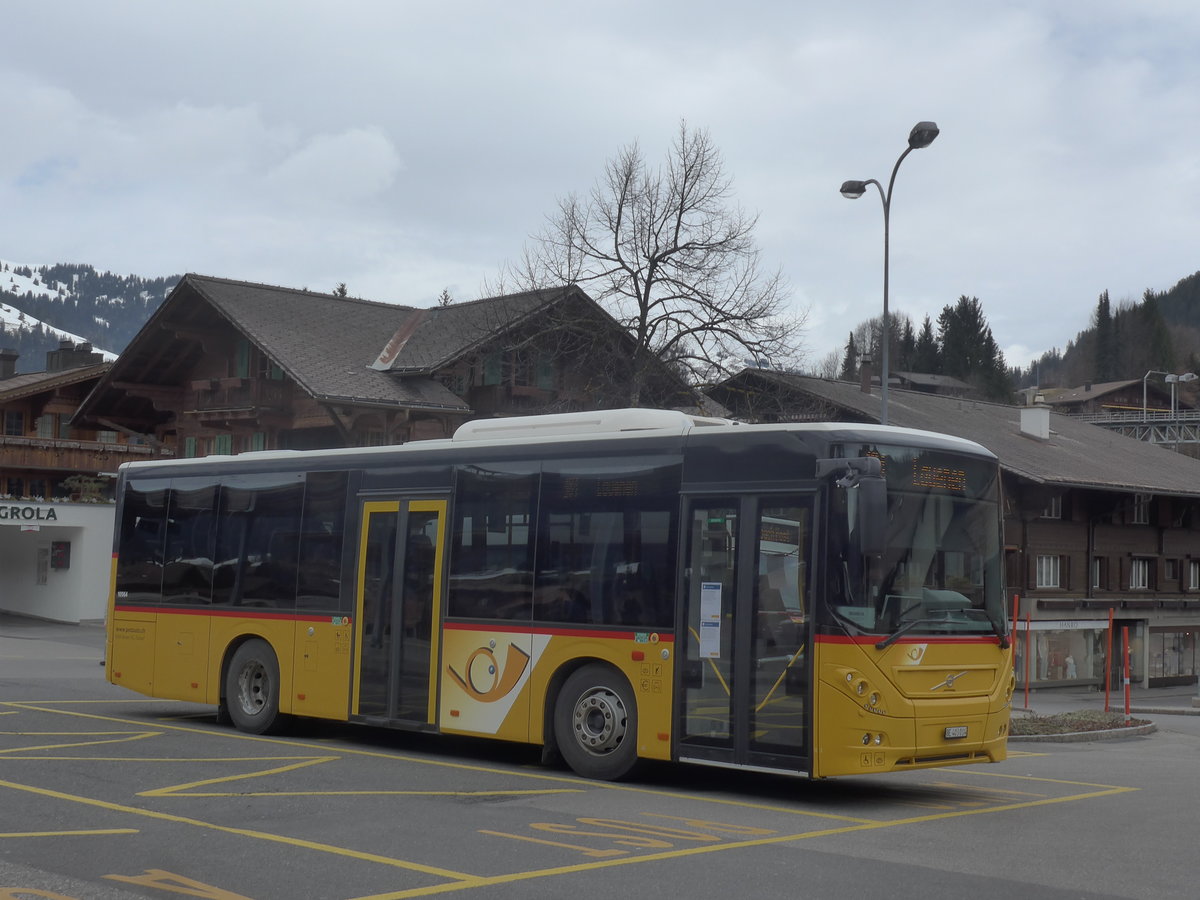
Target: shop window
1049, 569
1173, 654
1068, 655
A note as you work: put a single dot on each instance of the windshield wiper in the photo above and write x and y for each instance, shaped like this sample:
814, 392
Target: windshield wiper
909, 626
999, 630
904, 629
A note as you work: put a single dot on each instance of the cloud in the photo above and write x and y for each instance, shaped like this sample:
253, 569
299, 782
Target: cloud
344, 168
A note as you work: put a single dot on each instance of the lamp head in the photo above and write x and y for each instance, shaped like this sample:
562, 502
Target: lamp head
852, 190
1188, 376
922, 135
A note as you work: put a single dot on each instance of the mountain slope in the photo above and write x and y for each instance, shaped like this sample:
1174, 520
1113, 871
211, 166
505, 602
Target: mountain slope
40, 306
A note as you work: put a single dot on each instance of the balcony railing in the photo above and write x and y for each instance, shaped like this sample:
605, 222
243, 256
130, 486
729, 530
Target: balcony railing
213, 394
70, 455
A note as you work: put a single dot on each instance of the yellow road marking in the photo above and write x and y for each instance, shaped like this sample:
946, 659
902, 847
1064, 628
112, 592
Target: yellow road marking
734, 845
460, 877
241, 776
578, 783
127, 737
85, 831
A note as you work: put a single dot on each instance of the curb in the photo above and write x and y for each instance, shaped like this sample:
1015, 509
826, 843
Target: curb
1075, 737
1167, 710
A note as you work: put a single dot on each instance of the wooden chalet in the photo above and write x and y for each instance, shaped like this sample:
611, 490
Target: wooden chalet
228, 366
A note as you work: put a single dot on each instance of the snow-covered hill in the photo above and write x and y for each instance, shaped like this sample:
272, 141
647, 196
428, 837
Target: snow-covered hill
41, 306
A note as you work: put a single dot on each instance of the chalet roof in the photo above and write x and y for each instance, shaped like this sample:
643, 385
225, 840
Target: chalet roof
1077, 454
428, 339
1086, 392
933, 381
323, 342
29, 384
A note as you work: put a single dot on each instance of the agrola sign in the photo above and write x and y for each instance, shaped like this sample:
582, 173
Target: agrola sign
28, 514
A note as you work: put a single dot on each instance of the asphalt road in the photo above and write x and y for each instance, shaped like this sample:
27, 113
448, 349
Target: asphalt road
107, 794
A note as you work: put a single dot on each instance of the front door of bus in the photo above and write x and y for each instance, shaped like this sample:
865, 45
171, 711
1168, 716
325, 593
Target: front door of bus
745, 684
398, 608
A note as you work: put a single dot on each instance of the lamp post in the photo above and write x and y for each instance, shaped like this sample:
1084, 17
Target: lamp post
921, 136
1173, 380
1145, 414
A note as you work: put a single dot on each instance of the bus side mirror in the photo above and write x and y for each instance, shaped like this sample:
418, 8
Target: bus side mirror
872, 515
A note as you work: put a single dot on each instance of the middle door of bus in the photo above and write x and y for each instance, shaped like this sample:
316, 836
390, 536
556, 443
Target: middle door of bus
398, 608
745, 686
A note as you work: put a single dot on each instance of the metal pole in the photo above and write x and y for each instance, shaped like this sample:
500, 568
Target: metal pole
1108, 663
1125, 654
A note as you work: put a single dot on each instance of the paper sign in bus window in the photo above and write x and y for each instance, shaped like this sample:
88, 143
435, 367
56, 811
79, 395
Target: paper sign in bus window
710, 619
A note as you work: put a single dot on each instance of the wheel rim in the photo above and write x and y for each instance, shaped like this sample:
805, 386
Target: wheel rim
599, 721
253, 688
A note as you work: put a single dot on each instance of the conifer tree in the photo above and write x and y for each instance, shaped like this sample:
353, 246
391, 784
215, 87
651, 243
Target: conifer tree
850, 361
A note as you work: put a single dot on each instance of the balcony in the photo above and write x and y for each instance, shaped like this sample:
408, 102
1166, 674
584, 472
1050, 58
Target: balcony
55, 455
230, 398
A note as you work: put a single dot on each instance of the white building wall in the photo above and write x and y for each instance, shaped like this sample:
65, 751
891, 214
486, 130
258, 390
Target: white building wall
30, 585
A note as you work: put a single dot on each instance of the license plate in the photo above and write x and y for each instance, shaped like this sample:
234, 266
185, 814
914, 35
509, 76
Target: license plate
956, 731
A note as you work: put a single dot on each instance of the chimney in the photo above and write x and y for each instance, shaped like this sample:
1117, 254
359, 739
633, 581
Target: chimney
8, 363
1087, 387
70, 355
864, 374
1035, 422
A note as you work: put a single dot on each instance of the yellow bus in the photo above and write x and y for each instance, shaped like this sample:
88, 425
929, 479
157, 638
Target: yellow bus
818, 599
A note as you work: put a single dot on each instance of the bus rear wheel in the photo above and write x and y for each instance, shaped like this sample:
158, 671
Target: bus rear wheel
252, 689
595, 723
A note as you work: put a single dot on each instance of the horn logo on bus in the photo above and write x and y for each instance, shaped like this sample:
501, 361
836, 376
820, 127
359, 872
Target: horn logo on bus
484, 680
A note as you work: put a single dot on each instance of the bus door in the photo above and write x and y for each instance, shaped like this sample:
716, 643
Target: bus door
745, 695
398, 609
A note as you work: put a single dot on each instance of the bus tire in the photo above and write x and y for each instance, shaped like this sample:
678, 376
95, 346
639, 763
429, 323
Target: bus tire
595, 723
252, 689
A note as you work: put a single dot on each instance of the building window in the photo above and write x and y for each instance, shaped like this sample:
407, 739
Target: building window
1099, 572
1141, 509
1171, 569
14, 422
1053, 509
1194, 575
45, 426
1139, 575
1048, 571
1173, 654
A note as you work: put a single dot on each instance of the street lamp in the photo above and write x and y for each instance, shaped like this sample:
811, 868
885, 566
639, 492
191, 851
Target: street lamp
921, 136
1173, 380
1145, 415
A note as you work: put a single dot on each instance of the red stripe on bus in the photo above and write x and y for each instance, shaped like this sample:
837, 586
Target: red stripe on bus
228, 613
914, 639
664, 637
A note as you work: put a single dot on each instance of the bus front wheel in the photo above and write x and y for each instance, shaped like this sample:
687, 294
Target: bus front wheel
252, 689
595, 723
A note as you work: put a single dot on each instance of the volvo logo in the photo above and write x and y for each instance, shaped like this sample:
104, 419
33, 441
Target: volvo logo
948, 684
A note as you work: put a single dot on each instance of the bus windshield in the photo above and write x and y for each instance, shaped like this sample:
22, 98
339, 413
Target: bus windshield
939, 571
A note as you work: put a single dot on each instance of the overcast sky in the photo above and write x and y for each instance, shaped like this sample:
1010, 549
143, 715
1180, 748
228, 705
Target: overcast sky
403, 148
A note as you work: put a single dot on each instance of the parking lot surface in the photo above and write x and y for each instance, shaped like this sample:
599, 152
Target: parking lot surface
104, 794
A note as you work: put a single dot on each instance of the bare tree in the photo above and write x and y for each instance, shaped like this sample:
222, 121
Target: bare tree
673, 260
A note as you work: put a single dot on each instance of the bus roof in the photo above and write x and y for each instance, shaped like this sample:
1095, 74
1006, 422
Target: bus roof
601, 425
